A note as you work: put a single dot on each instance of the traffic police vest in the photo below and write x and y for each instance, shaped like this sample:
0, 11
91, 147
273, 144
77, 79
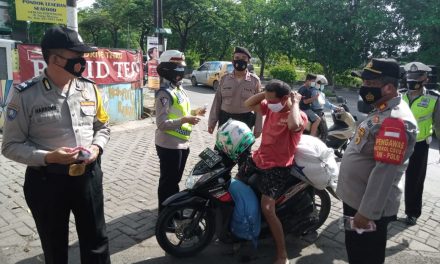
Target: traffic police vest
422, 108
179, 108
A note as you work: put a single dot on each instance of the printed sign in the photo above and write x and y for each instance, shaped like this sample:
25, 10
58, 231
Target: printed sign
153, 61
391, 142
103, 67
45, 11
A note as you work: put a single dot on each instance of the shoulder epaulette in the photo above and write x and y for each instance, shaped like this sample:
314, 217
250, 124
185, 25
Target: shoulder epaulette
86, 79
434, 92
25, 85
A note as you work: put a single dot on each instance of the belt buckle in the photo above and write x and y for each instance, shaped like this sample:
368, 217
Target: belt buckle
77, 169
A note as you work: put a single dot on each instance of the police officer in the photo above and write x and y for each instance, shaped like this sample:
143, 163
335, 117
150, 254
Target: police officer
57, 126
234, 89
425, 106
174, 119
374, 162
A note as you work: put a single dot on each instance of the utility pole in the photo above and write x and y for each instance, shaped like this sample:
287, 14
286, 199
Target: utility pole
158, 22
72, 15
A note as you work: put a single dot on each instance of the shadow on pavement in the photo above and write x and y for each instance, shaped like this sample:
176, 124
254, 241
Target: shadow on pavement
123, 232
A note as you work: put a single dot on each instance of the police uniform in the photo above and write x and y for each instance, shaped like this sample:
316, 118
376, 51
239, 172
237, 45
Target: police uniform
229, 101
40, 119
426, 109
171, 139
370, 171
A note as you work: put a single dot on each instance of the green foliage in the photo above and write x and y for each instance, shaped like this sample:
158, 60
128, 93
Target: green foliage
284, 72
346, 80
192, 59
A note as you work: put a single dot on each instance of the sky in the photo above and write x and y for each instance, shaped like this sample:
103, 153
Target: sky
84, 3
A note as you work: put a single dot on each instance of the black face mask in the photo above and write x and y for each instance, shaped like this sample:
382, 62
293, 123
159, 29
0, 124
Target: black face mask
240, 65
415, 85
75, 66
370, 95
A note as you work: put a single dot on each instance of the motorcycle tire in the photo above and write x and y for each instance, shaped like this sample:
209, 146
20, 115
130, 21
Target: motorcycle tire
178, 223
323, 205
322, 129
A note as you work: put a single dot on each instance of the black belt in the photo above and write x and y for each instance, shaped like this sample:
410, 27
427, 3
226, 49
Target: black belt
71, 169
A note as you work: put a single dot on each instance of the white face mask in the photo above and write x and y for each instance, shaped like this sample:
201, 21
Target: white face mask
275, 107
312, 84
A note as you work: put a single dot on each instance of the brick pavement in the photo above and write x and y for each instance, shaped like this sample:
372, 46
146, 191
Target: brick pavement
131, 173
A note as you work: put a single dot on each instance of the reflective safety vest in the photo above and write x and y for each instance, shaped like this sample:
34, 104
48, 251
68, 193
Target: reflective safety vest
179, 108
422, 108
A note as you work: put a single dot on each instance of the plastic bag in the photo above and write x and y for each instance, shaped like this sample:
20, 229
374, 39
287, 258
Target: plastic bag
317, 163
246, 218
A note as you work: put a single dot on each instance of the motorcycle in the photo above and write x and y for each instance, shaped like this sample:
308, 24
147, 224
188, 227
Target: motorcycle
192, 217
342, 130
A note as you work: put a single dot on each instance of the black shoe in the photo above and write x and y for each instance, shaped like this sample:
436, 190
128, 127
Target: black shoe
411, 220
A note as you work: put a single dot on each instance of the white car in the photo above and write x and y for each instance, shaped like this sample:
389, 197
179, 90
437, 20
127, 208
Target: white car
210, 73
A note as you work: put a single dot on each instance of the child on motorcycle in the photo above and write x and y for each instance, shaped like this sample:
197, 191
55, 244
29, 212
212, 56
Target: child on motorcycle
282, 131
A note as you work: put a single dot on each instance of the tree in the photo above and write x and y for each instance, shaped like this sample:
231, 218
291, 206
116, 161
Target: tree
183, 16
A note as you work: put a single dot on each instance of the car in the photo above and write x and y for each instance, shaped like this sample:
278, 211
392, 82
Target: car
210, 73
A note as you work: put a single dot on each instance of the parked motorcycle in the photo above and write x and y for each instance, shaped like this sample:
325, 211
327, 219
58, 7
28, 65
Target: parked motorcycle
192, 217
342, 130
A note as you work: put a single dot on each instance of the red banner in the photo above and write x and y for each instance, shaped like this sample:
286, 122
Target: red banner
103, 67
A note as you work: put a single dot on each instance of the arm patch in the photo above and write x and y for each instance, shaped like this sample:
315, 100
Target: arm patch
391, 142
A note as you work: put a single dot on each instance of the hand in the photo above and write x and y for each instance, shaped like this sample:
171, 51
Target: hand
360, 221
193, 120
257, 134
201, 111
94, 150
295, 97
62, 155
210, 130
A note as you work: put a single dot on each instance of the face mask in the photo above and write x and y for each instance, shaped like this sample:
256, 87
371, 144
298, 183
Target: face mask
312, 84
322, 87
415, 85
370, 95
240, 65
75, 66
275, 107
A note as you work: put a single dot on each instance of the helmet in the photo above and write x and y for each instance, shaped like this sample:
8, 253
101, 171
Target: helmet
416, 74
321, 79
233, 138
415, 70
171, 66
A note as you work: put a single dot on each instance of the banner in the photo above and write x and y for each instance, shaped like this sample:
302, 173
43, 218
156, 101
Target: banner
153, 61
103, 67
45, 11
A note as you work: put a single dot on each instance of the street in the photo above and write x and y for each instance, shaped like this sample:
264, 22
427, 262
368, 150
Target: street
131, 171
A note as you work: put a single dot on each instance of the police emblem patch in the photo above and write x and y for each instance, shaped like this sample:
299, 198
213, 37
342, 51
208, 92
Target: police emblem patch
164, 101
11, 113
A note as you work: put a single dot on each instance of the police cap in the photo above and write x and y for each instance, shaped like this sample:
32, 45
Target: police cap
416, 71
242, 50
58, 37
378, 68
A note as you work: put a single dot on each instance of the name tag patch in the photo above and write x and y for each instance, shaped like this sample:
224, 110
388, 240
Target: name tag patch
391, 142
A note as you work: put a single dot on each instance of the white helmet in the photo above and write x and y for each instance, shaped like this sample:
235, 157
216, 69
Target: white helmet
233, 138
173, 56
321, 79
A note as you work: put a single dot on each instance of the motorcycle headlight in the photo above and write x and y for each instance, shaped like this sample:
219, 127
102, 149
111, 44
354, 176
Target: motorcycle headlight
192, 179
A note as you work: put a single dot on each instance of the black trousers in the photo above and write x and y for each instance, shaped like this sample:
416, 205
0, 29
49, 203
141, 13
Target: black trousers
368, 247
172, 165
52, 196
415, 179
247, 118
